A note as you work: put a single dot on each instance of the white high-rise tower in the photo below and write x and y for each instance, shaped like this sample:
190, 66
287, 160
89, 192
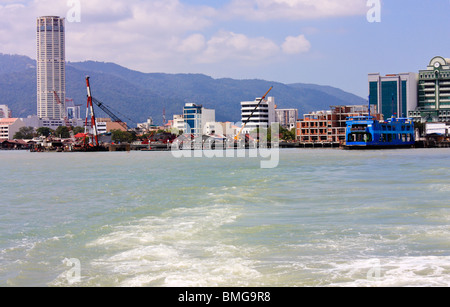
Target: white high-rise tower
51, 67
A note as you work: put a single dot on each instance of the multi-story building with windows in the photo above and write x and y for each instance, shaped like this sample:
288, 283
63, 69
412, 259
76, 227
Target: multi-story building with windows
394, 94
9, 127
264, 115
433, 92
329, 127
51, 70
286, 117
195, 118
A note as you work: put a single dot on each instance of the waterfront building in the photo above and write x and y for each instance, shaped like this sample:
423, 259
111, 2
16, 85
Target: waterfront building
9, 127
5, 112
442, 129
73, 111
329, 126
264, 115
178, 122
36, 122
286, 117
106, 125
433, 92
147, 125
195, 118
393, 94
51, 69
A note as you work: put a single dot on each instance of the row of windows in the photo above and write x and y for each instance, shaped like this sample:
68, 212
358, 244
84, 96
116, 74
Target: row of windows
50, 28
384, 138
393, 128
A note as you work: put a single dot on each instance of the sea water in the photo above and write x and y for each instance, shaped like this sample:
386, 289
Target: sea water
320, 218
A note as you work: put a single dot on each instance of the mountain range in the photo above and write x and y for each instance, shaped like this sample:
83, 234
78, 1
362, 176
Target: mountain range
134, 96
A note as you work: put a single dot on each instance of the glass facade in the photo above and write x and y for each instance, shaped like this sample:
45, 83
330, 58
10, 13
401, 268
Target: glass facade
390, 95
193, 119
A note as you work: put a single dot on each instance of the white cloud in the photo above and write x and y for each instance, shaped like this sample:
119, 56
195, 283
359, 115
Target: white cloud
146, 35
295, 9
227, 45
296, 45
192, 44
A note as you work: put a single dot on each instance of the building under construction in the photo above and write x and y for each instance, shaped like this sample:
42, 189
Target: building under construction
328, 127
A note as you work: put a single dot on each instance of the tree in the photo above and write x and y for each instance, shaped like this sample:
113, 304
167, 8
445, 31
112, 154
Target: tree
78, 129
287, 135
120, 136
44, 131
62, 132
24, 133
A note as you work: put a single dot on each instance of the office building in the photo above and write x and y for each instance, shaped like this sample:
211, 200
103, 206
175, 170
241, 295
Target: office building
433, 92
394, 94
195, 118
263, 116
51, 71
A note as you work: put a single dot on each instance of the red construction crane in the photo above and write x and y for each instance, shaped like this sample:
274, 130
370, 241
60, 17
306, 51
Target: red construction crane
90, 108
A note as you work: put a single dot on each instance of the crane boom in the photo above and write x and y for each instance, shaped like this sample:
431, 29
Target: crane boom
90, 107
110, 113
254, 110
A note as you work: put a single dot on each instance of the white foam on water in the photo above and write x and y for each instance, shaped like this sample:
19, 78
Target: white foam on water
183, 247
430, 271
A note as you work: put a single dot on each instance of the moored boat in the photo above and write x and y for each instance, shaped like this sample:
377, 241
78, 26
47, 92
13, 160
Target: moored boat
365, 132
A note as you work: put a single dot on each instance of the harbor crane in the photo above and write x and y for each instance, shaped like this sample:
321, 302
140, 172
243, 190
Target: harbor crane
90, 109
250, 116
101, 105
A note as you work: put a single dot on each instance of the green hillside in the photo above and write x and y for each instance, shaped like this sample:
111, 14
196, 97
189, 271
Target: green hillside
135, 96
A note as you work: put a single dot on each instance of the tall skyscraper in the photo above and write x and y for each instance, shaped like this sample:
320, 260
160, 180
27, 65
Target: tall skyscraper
51, 67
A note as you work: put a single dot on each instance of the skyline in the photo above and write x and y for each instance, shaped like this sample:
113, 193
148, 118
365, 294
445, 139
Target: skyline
324, 42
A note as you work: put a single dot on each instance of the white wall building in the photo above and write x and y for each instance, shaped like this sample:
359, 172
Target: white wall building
36, 122
178, 122
9, 127
263, 116
438, 128
5, 112
51, 67
147, 125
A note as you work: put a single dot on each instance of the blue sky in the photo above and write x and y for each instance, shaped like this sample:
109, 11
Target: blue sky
327, 42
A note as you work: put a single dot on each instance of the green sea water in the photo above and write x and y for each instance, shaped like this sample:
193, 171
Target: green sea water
320, 218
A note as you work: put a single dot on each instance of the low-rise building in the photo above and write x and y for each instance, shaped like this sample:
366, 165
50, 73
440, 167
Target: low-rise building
9, 127
329, 126
438, 129
106, 125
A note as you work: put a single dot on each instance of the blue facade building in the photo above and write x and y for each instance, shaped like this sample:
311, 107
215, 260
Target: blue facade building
393, 95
